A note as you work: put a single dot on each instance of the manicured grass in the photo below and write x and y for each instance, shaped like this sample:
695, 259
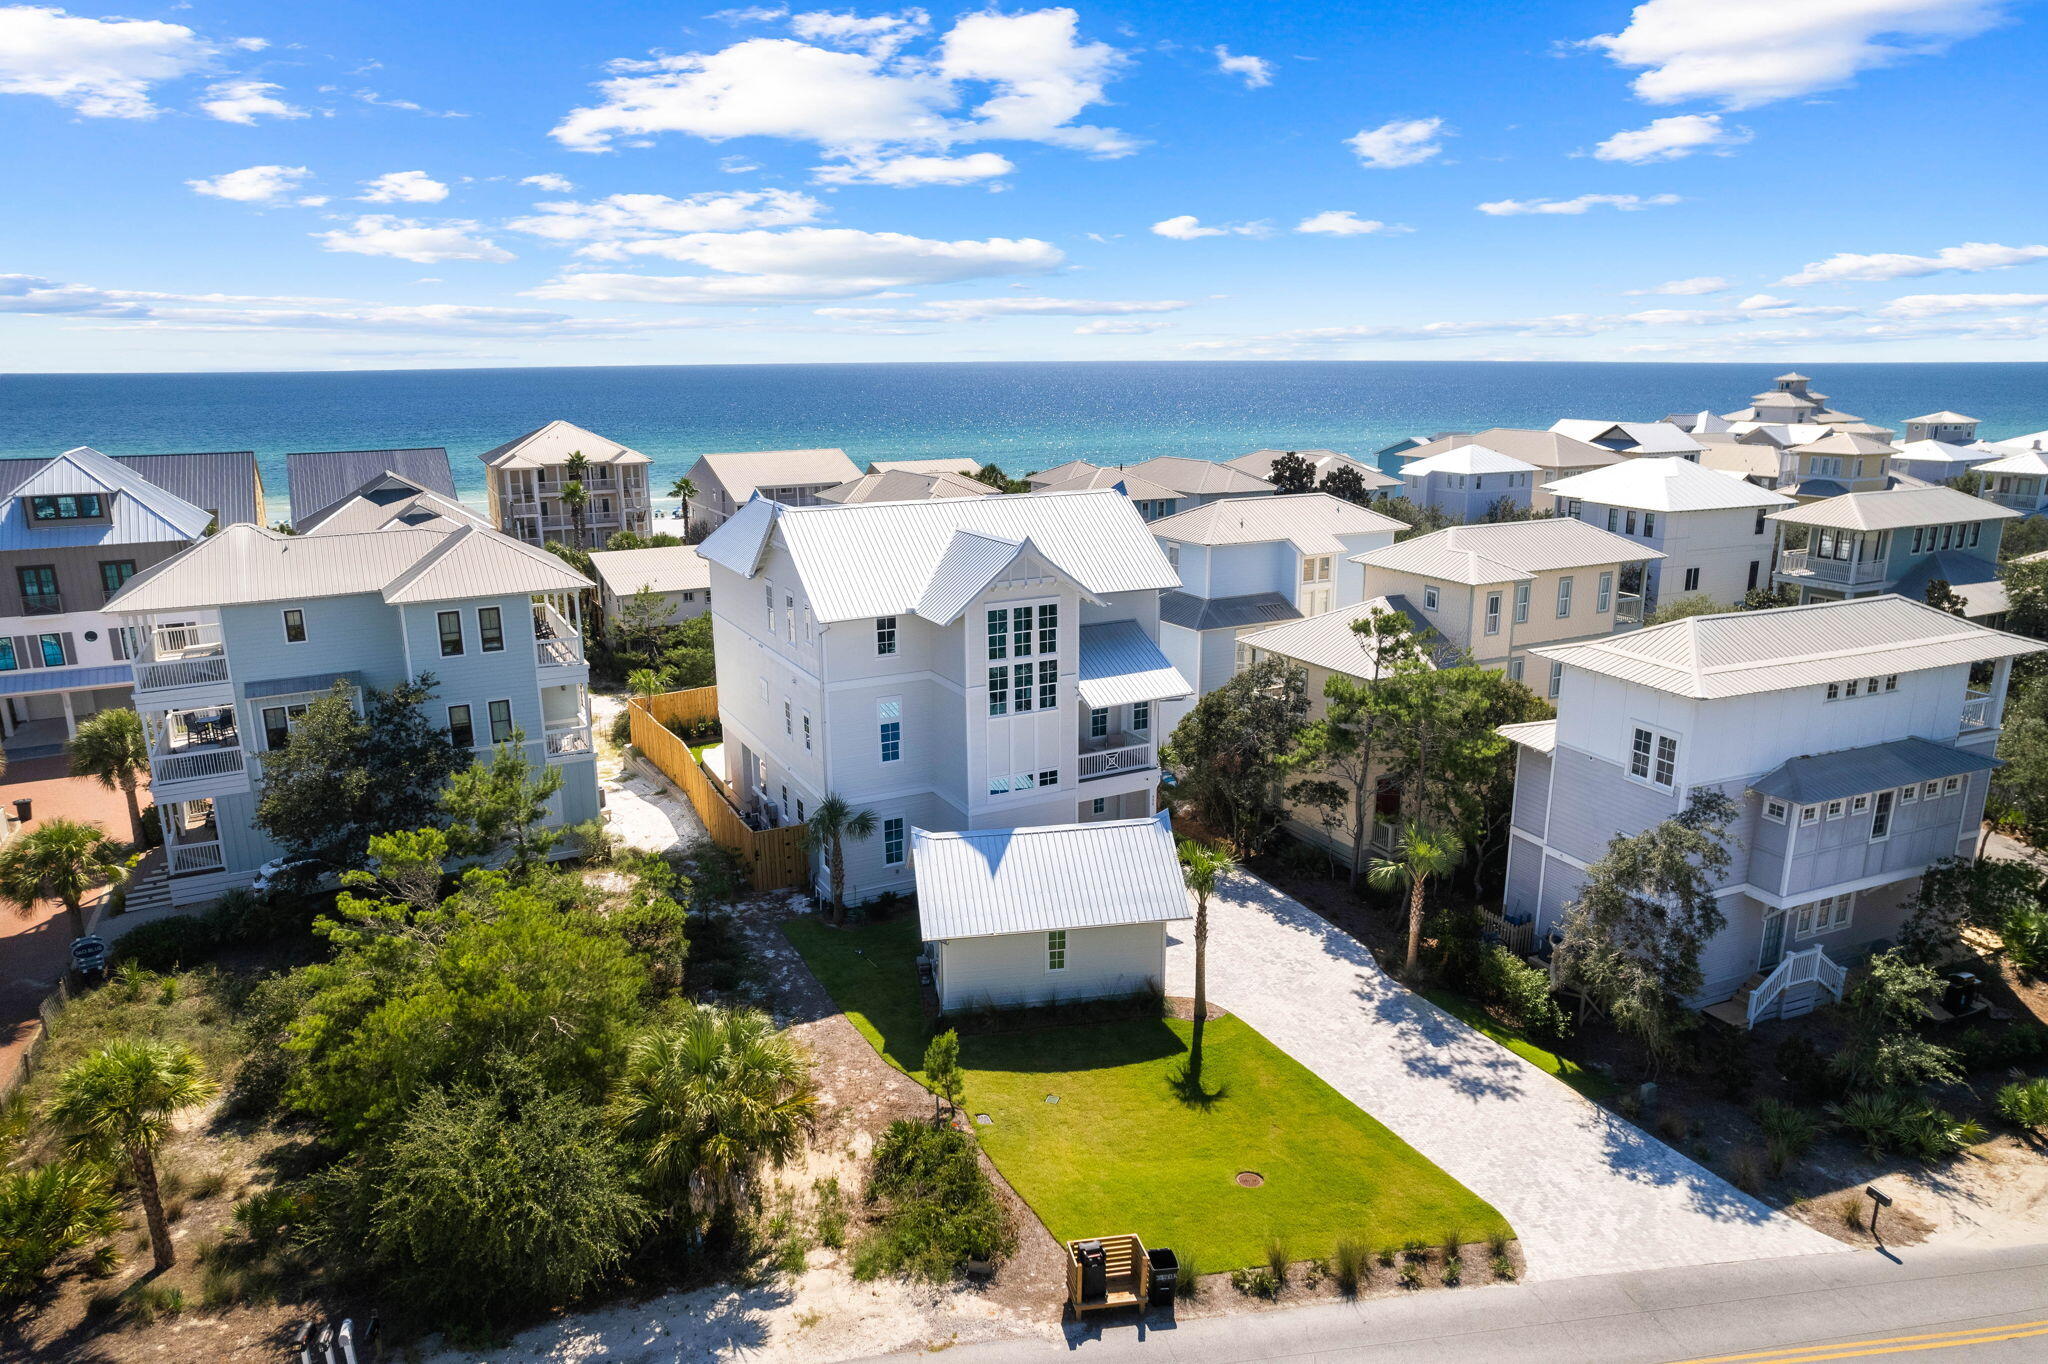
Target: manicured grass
1121, 1151
1590, 1083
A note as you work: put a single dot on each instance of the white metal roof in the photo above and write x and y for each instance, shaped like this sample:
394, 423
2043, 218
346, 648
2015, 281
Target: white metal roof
1467, 459
981, 883
2022, 444
1540, 735
1140, 489
741, 472
137, 510
667, 568
1666, 485
1198, 477
1644, 438
1944, 416
880, 558
1259, 464
905, 485
2026, 462
1507, 551
1059, 473
1943, 452
390, 499
1895, 509
1120, 664
554, 443
1311, 522
958, 464
1327, 640
1744, 653
971, 562
1844, 443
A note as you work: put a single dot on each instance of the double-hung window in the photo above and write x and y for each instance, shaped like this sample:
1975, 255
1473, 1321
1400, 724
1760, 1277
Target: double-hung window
1653, 757
885, 635
1649, 525
1881, 817
295, 626
1098, 722
1049, 628
501, 722
1429, 597
459, 727
451, 632
1493, 613
1556, 679
1564, 596
490, 629
1056, 950
1521, 603
1604, 596
1048, 683
998, 690
1141, 717
889, 723
892, 842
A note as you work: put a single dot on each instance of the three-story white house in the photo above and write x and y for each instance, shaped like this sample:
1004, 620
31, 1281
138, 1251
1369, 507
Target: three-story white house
525, 479
243, 631
1850, 736
1712, 528
964, 663
724, 483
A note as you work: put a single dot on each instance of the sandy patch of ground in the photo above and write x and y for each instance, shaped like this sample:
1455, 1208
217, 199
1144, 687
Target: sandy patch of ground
640, 810
1996, 1195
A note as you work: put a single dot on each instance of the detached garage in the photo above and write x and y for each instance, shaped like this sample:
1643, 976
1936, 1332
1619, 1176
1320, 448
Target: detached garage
1015, 917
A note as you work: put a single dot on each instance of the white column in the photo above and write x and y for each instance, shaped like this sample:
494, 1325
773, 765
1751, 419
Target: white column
2001, 679
70, 718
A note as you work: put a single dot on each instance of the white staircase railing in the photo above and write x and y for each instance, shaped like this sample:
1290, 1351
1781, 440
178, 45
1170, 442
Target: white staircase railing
1810, 966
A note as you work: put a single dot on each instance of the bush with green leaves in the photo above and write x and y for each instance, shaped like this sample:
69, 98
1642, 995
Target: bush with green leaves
2024, 1103
2025, 932
167, 945
1789, 1132
1901, 1122
2003, 1047
937, 1208
1884, 1049
47, 1212
1523, 993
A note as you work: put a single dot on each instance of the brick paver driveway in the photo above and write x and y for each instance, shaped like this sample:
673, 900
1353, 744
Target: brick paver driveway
1587, 1192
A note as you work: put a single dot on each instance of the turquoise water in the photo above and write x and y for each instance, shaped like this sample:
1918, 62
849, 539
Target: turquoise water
1022, 416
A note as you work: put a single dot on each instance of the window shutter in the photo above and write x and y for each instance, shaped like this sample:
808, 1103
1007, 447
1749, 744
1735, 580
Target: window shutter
70, 648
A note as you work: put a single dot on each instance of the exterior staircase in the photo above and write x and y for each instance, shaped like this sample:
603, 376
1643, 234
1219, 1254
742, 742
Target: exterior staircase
1734, 1010
149, 892
1795, 987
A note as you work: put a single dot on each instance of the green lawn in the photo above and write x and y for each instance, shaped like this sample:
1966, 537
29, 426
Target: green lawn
1120, 1152
1590, 1083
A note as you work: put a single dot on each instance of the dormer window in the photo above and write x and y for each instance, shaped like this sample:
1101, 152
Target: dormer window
67, 507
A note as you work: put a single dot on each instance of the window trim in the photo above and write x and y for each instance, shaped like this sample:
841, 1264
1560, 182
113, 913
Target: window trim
1653, 755
1493, 613
1564, 597
1056, 949
468, 725
1431, 597
494, 631
441, 619
294, 620
885, 636
1775, 810
1521, 603
888, 715
895, 837
1883, 815
491, 714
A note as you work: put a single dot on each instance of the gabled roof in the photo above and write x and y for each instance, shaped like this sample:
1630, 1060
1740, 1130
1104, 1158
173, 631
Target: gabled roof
1944, 416
1120, 664
1667, 485
242, 565
1847, 772
1943, 452
1259, 464
1198, 477
1636, 438
1191, 612
137, 510
1059, 473
741, 473
902, 485
1745, 653
957, 464
1326, 640
981, 883
1544, 449
554, 443
1508, 551
228, 483
880, 558
389, 499
667, 568
1467, 459
1126, 482
317, 479
1843, 443
1311, 522
1895, 509
972, 560
1739, 460
2027, 462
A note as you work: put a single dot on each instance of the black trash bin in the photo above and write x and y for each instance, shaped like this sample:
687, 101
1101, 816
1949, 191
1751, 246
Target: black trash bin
1094, 1270
1165, 1276
1961, 995
24, 809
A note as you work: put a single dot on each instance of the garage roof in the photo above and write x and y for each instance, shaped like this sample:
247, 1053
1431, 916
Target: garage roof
983, 883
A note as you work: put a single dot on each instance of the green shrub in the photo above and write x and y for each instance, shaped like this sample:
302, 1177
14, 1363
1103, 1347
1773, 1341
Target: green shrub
831, 1213
939, 1209
1410, 1274
2025, 1104
1875, 1119
1454, 1273
2001, 1048
167, 945
2025, 931
1350, 1266
1189, 1284
1900, 1122
1255, 1281
1789, 1132
47, 1212
1277, 1260
265, 1217
1523, 993
1503, 1268
1746, 1169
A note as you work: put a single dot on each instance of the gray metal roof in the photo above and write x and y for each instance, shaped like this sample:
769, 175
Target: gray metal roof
1259, 464
1124, 481
671, 568
390, 500
1190, 612
1311, 522
317, 479
1120, 664
1973, 579
1861, 771
982, 883
1198, 477
26, 681
1544, 449
227, 483
906, 485
1328, 641
1745, 653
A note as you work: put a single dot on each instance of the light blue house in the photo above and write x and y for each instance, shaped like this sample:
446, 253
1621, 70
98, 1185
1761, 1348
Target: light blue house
240, 633
1467, 482
1899, 540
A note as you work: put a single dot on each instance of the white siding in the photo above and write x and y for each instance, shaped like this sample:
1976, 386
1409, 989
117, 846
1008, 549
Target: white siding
1011, 969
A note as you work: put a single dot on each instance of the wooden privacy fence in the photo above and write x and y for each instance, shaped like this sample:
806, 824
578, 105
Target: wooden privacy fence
774, 859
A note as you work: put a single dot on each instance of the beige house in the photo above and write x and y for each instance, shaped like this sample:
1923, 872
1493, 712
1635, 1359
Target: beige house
725, 482
1494, 592
525, 479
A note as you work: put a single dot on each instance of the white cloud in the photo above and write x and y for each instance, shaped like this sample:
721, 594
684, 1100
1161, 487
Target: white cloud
909, 170
1627, 203
1031, 73
1186, 227
980, 309
1967, 258
1697, 284
371, 97
253, 184
403, 187
413, 240
804, 264
1743, 53
311, 200
879, 35
244, 101
1343, 222
1404, 142
1669, 139
101, 68
1112, 327
1940, 305
737, 165
250, 44
627, 217
552, 183
1255, 72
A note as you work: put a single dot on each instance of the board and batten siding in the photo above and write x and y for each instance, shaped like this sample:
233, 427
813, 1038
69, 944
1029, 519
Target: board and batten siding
1010, 969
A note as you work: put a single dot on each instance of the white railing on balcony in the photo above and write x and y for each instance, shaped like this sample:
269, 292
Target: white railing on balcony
187, 858
1831, 570
1628, 608
1107, 756
567, 740
2018, 501
1809, 967
196, 762
169, 643
1976, 710
187, 672
556, 641
1792, 561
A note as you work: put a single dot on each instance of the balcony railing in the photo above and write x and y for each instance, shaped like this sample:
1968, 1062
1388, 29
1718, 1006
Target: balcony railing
556, 642
1114, 753
186, 672
567, 740
1846, 571
200, 639
1628, 608
192, 763
187, 859
1976, 710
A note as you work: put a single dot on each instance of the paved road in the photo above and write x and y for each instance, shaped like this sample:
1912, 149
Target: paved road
1953, 1307
1587, 1192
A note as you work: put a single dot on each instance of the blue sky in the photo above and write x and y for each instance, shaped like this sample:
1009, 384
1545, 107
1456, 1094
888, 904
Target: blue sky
373, 185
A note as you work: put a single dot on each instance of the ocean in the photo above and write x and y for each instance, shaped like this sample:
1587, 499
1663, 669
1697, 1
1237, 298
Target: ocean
1020, 415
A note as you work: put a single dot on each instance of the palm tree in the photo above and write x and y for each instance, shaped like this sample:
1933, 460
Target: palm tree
62, 860
645, 682
575, 496
1420, 854
684, 490
119, 1101
831, 824
1200, 866
711, 1098
111, 748
48, 1211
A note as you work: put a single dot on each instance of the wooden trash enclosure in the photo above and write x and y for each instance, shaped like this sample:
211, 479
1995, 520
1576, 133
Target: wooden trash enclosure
775, 859
1127, 1279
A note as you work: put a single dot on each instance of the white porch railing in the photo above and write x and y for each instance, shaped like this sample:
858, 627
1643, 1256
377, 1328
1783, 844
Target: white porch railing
1628, 608
1118, 753
1792, 561
204, 762
187, 858
200, 639
1976, 710
1808, 967
557, 641
183, 672
567, 740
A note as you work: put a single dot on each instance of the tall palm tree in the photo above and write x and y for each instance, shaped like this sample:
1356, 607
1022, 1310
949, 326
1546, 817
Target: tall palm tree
110, 748
575, 496
710, 1099
1420, 854
1200, 866
684, 490
62, 860
831, 824
119, 1101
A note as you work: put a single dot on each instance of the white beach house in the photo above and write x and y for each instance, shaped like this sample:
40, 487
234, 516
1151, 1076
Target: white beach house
525, 479
726, 482
1468, 482
676, 574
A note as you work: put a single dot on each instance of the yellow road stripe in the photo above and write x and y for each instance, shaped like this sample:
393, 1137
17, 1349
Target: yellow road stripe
1853, 1349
